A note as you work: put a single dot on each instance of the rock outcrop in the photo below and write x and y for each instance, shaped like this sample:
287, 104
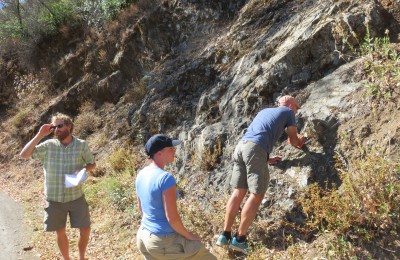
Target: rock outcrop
209, 93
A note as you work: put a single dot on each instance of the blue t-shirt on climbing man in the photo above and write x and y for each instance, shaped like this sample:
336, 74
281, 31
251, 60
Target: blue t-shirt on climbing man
268, 126
151, 182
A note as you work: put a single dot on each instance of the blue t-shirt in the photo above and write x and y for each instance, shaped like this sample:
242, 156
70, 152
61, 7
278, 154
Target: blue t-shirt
268, 126
150, 184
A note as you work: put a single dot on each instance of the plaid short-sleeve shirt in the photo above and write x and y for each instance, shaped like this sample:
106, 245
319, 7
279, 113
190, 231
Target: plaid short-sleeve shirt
59, 160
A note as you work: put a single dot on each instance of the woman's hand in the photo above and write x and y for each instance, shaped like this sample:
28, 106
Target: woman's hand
192, 236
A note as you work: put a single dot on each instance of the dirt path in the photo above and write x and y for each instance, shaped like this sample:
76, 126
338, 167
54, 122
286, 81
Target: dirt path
13, 243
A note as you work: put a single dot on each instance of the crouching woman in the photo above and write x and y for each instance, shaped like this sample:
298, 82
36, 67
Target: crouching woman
162, 234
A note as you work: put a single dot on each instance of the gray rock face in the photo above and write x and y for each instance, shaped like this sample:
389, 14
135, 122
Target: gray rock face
210, 66
212, 94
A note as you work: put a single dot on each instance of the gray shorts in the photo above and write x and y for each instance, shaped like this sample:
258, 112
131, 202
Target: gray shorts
56, 213
250, 168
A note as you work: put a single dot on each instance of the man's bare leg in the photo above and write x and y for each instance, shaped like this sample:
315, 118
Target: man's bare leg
83, 241
232, 207
62, 241
249, 212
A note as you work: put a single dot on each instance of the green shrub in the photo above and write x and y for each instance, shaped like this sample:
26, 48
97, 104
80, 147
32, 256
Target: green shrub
32, 19
367, 203
55, 13
123, 160
120, 192
95, 13
116, 191
11, 28
381, 66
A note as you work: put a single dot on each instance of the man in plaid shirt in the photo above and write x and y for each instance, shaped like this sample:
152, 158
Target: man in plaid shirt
62, 155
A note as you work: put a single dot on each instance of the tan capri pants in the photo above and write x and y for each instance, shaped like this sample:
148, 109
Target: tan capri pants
171, 247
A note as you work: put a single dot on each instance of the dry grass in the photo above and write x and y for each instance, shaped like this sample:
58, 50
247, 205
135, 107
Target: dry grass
137, 91
326, 246
209, 158
33, 93
99, 139
367, 203
205, 220
88, 121
124, 160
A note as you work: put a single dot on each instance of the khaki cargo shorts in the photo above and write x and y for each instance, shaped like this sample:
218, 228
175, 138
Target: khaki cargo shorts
56, 214
250, 168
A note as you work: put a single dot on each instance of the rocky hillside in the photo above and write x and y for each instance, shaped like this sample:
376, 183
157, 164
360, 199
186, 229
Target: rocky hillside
200, 71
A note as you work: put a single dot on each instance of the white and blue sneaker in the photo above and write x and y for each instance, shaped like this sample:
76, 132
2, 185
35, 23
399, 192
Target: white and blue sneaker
222, 241
239, 246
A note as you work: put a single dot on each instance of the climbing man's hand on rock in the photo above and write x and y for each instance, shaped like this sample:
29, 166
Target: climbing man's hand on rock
274, 160
302, 140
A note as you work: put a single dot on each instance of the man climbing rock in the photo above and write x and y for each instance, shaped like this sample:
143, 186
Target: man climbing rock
250, 170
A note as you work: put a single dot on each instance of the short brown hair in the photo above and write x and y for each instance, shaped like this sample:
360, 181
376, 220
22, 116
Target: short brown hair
60, 116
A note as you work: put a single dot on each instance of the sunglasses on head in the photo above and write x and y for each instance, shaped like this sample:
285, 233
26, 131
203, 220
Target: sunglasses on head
57, 126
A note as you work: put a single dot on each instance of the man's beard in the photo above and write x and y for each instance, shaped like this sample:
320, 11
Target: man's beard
62, 135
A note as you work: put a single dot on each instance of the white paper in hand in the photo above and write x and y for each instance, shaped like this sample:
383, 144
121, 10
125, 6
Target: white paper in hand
72, 180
